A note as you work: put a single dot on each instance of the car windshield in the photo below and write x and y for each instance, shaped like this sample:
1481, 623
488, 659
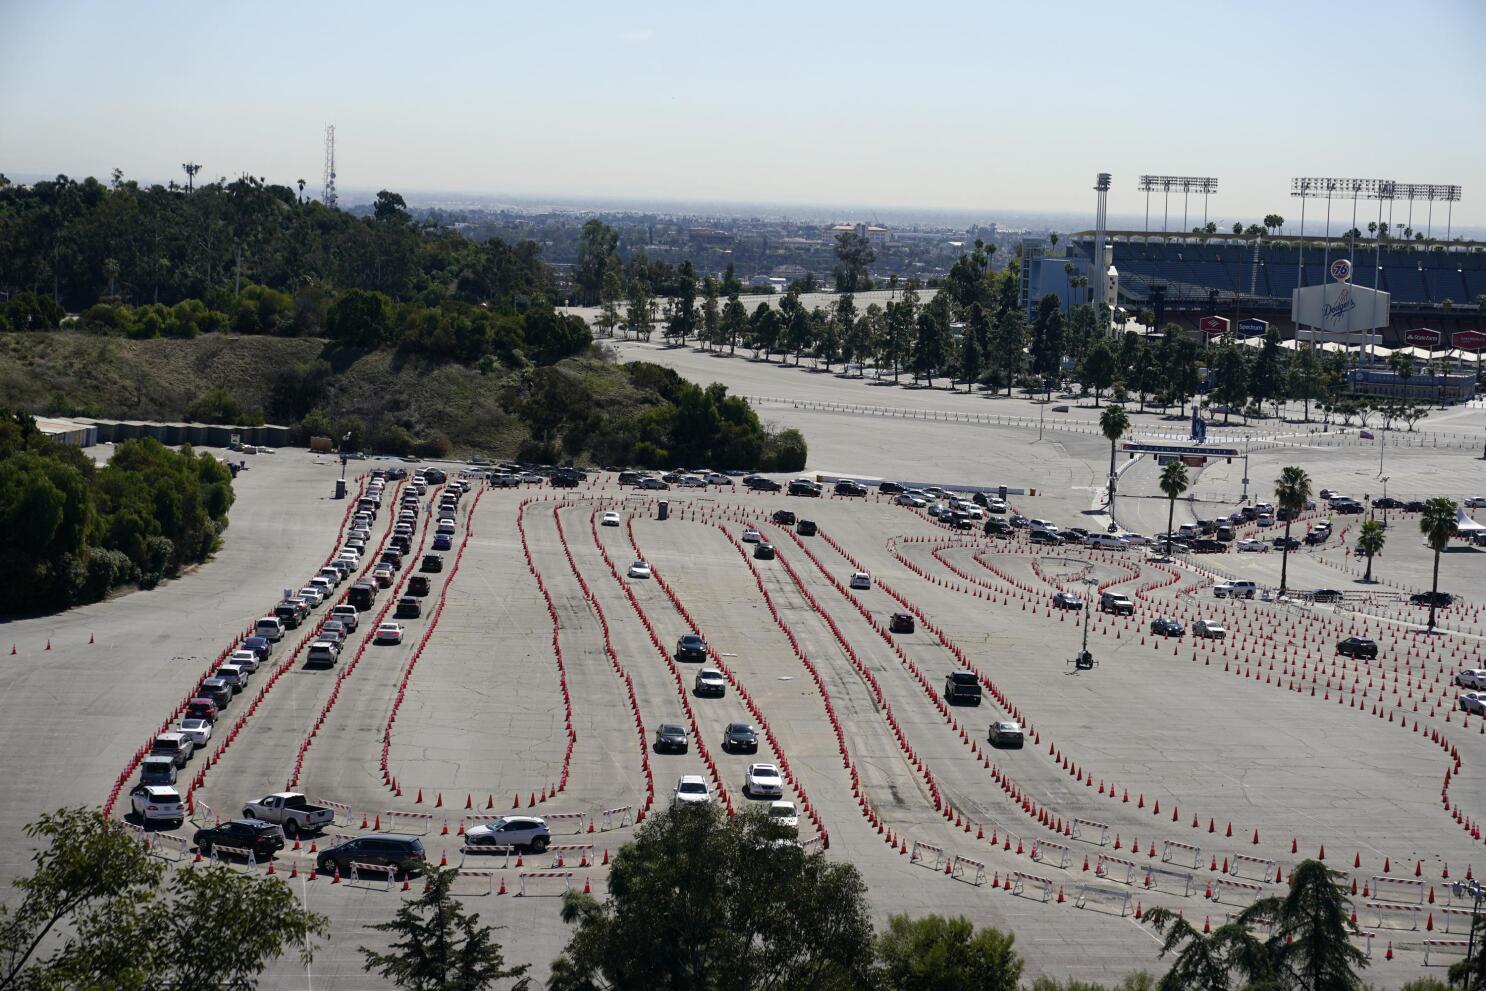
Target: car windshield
670, 729
693, 788
782, 811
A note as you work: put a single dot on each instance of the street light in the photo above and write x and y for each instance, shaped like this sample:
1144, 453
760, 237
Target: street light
1477, 894
1385, 502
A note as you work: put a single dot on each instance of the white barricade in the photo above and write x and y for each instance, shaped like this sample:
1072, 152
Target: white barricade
1092, 895
336, 839
140, 836
564, 855
1154, 874
418, 819
1240, 891
482, 882
233, 856
485, 851
969, 870
1461, 917
1400, 889
372, 874
1021, 880
619, 817
1388, 913
576, 818
205, 814
1252, 868
567, 878
168, 846
921, 852
342, 812
1090, 831
812, 845
1444, 945
1061, 856
1118, 869
1171, 850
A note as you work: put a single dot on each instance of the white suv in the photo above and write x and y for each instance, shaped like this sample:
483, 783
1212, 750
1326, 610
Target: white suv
691, 789
1471, 678
1235, 590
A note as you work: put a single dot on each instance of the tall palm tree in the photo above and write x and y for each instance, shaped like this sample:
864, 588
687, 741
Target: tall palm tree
1370, 541
1438, 525
1291, 490
1114, 422
1174, 482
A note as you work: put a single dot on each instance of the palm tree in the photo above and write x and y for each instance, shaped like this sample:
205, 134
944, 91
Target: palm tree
1114, 421
1309, 942
1438, 524
1370, 541
1291, 490
1174, 482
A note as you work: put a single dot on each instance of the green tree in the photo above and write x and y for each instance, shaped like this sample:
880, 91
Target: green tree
763, 328
360, 319
1114, 423
933, 343
1098, 369
1047, 342
854, 254
734, 323
1207, 961
702, 900
1291, 491
596, 242
1309, 944
1083, 325
684, 309
1307, 379
1438, 523
1173, 482
639, 319
1370, 541
1267, 374
439, 946
390, 208
1230, 378
611, 294
936, 953
711, 312
1177, 361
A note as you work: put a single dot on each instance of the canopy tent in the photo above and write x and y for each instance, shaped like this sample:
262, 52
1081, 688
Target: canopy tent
1464, 524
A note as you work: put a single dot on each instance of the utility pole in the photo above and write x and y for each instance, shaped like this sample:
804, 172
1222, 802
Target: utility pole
191, 168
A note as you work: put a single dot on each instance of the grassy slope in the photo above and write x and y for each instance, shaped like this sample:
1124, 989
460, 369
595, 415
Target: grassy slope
108, 377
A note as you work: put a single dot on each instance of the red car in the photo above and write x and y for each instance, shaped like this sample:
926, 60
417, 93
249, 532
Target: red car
201, 709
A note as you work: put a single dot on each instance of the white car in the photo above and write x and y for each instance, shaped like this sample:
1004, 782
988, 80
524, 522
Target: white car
312, 594
1475, 502
1473, 702
1264, 520
158, 803
718, 478
245, 659
692, 482
389, 633
711, 682
323, 652
1136, 539
1255, 545
639, 570
691, 789
610, 519
198, 731
331, 575
1007, 732
1471, 678
784, 813
751, 536
861, 580
511, 831
763, 781
1209, 629
909, 499
349, 616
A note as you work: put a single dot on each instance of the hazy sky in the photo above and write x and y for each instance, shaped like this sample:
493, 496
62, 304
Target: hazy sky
975, 104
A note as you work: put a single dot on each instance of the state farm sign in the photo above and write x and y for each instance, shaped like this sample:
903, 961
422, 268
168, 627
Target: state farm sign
1423, 338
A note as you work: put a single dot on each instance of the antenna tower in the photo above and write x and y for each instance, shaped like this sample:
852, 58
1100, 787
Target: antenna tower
327, 195
191, 168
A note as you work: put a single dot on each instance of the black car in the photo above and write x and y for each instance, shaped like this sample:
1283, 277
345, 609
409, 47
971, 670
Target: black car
408, 607
670, 738
1343, 507
432, 563
1205, 545
1358, 647
998, 528
565, 478
784, 517
1387, 502
1326, 595
1280, 542
419, 585
890, 488
850, 488
1075, 534
1317, 537
763, 551
1438, 599
805, 528
393, 557
402, 853
401, 543
740, 737
691, 647
1168, 628
804, 487
759, 483
1412, 506
263, 839
957, 520
1044, 537
1067, 600
902, 622
434, 476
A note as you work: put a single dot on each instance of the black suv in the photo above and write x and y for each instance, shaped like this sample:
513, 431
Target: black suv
740, 736
850, 488
890, 488
691, 647
805, 528
418, 585
763, 551
902, 622
402, 853
1440, 599
998, 528
1208, 546
962, 686
784, 517
804, 487
432, 562
565, 478
263, 839
759, 483
670, 738
1358, 647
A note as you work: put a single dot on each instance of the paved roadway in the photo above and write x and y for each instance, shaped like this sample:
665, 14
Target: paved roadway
1227, 732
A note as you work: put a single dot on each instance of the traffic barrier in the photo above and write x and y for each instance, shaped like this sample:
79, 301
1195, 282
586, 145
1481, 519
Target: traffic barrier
576, 818
342, 812
418, 819
1118, 869
1184, 880
1455, 919
1251, 868
618, 817
1241, 892
485, 850
922, 851
566, 876
813, 845
168, 846
1087, 830
1172, 849
1061, 855
1388, 913
564, 854
369, 873
481, 882
205, 814
1093, 896
1401, 888
969, 870
233, 856
1444, 945
1044, 886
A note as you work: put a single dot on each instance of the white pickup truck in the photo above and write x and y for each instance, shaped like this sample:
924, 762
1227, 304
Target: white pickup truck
291, 811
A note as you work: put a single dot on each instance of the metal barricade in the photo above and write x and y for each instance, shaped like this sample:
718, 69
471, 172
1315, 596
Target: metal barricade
562, 854
485, 850
1252, 868
1239, 891
1088, 829
812, 845
1403, 888
367, 872
1184, 879
1445, 945
1387, 914
566, 876
226, 855
1092, 895
423, 819
576, 818
1172, 849
1021, 880
618, 817
168, 846
921, 851
1117, 869
973, 871
342, 812
1061, 855
483, 882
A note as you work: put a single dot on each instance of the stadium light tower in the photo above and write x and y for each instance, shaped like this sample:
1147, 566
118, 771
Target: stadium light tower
1101, 225
1187, 184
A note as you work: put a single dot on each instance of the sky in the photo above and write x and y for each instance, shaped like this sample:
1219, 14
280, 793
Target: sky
966, 106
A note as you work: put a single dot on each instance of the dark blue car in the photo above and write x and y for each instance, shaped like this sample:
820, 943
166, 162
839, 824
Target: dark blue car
442, 542
260, 646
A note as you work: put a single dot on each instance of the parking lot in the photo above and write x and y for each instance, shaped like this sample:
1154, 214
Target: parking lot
1178, 771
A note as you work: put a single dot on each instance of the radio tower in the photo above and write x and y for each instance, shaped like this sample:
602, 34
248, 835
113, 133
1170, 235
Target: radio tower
327, 195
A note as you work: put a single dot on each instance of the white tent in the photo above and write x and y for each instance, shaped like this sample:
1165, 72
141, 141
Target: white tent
1464, 524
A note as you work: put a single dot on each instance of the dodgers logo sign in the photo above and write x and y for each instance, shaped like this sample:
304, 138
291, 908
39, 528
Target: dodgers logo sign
1341, 270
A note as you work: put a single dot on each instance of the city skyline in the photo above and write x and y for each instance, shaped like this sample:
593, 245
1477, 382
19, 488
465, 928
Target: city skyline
959, 111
